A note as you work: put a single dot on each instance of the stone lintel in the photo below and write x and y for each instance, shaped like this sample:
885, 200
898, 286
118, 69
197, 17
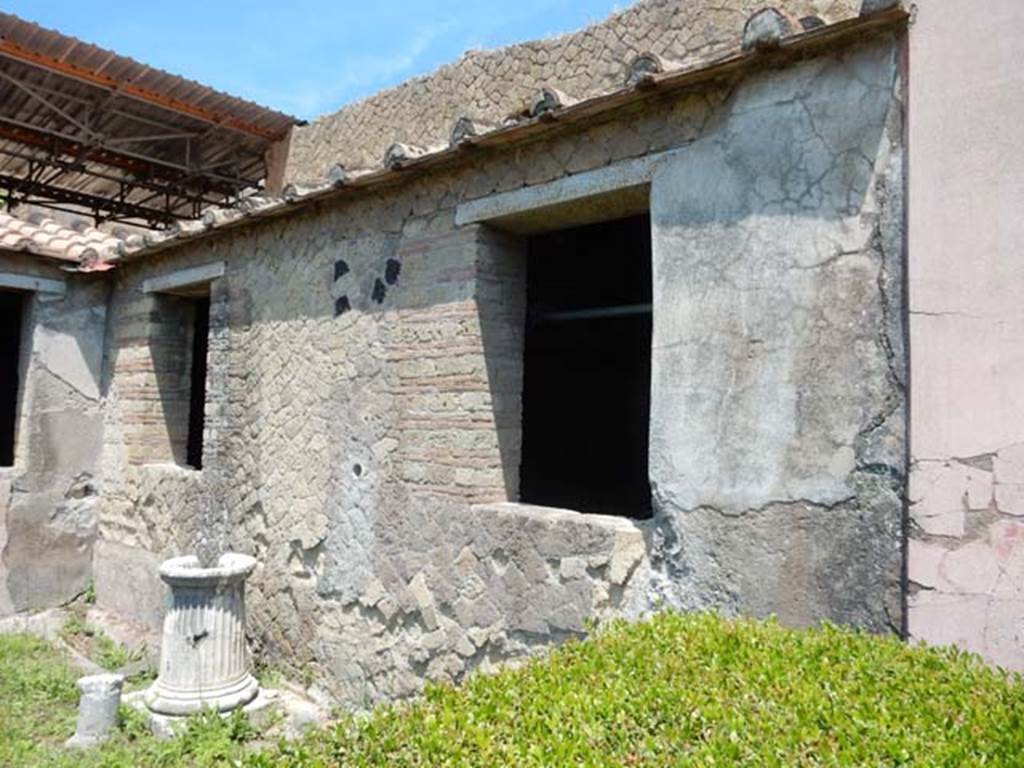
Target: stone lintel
570, 200
32, 283
175, 282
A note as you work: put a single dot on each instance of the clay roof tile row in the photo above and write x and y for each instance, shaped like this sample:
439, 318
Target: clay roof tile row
41, 236
96, 250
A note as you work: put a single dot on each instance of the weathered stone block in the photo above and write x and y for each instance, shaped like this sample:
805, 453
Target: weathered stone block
767, 28
867, 7
127, 583
97, 709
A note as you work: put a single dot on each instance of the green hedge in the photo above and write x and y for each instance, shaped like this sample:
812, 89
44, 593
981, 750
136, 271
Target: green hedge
676, 690
705, 691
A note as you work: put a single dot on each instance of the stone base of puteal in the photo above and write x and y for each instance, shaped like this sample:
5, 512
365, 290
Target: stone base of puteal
289, 714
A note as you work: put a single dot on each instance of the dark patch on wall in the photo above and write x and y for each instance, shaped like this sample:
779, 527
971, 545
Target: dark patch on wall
386, 274
238, 306
392, 270
886, 471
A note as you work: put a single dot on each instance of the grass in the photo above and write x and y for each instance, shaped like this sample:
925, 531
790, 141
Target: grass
678, 690
37, 699
38, 704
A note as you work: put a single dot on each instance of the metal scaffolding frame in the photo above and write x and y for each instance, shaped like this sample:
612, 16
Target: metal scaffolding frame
86, 130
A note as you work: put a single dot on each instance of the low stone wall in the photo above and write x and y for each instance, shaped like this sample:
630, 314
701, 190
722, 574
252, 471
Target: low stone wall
455, 589
492, 85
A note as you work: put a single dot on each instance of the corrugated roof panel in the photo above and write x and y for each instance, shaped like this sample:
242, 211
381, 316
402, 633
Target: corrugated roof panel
165, 147
78, 53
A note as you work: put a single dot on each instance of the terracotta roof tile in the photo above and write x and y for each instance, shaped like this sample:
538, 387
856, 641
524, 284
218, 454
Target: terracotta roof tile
46, 237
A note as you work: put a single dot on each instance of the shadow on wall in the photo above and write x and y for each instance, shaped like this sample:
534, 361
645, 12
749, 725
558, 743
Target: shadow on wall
501, 307
800, 142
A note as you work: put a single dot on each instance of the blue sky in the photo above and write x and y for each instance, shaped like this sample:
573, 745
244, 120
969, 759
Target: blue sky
306, 57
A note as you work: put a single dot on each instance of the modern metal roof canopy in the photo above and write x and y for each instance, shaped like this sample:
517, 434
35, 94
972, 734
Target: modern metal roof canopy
83, 128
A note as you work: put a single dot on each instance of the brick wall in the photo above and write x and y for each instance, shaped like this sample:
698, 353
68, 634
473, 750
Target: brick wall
154, 342
459, 364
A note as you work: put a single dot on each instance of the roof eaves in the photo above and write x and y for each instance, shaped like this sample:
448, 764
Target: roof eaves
46, 238
733, 63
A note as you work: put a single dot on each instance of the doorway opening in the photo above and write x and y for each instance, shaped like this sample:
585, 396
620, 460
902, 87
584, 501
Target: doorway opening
11, 310
200, 309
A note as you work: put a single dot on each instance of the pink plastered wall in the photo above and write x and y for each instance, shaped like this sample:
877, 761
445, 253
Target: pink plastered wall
966, 299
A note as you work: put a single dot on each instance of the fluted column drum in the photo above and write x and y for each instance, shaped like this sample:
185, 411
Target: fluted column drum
204, 661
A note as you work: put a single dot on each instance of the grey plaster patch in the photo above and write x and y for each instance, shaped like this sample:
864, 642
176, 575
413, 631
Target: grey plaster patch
127, 583
56, 464
778, 418
801, 562
71, 349
766, 295
51, 492
49, 550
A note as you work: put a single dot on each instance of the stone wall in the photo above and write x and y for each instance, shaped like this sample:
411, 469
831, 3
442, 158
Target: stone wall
363, 419
48, 499
779, 384
369, 401
492, 85
966, 236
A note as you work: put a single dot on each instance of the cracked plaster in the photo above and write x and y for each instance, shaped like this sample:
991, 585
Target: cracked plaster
48, 499
966, 543
777, 257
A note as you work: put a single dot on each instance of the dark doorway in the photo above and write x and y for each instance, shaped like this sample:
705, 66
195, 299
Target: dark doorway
11, 308
587, 374
197, 388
